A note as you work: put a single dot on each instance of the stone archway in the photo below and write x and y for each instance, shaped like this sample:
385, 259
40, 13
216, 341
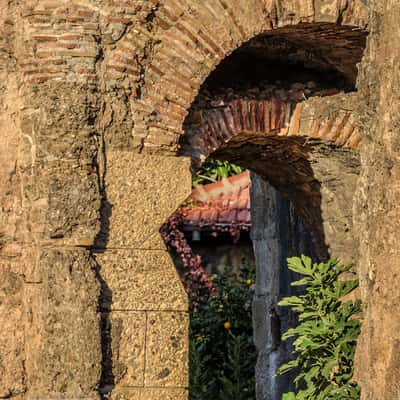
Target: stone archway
315, 172
166, 84
91, 87
300, 136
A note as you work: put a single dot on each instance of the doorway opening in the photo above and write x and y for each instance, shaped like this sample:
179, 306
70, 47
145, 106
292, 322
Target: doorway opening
282, 106
213, 253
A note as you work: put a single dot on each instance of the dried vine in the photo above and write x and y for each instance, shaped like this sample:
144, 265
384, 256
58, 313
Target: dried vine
198, 284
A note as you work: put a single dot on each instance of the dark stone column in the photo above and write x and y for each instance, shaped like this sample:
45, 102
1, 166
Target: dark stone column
277, 233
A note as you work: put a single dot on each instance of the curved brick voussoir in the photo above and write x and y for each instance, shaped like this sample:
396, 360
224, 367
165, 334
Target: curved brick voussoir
192, 38
328, 119
163, 51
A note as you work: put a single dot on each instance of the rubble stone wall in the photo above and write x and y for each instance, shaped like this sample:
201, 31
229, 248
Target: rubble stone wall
92, 103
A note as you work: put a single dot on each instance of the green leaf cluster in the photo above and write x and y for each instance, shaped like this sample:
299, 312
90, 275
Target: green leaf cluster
325, 338
214, 170
222, 353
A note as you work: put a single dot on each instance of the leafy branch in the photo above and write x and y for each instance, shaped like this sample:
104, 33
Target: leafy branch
326, 336
214, 170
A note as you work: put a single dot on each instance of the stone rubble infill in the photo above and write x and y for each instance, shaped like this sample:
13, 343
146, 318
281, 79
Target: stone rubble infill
295, 92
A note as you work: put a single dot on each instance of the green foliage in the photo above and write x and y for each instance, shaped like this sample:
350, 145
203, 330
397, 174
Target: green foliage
202, 379
237, 374
325, 338
215, 170
222, 353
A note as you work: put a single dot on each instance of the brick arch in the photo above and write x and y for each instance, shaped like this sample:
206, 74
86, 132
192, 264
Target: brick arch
300, 145
184, 41
332, 123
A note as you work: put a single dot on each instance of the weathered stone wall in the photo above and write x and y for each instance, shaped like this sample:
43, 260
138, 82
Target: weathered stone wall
143, 303
87, 83
12, 321
377, 209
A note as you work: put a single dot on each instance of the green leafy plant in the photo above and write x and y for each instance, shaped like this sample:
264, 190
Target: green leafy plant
214, 170
222, 353
325, 338
237, 375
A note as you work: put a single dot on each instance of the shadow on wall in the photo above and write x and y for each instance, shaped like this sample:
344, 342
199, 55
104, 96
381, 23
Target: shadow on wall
107, 378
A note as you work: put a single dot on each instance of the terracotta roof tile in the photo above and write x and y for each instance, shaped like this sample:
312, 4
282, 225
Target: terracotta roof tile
223, 202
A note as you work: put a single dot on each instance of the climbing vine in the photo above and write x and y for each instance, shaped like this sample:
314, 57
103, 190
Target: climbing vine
222, 353
197, 282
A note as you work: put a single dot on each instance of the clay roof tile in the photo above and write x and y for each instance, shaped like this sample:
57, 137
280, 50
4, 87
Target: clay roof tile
223, 202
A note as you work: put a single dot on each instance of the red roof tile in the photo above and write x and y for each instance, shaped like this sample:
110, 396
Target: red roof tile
225, 202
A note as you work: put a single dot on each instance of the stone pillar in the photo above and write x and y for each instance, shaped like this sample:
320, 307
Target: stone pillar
59, 223
277, 233
144, 306
12, 374
377, 210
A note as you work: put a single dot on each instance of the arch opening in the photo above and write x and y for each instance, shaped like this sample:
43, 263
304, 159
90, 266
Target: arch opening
279, 105
283, 106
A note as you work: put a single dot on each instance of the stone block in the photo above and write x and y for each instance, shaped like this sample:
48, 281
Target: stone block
62, 334
167, 353
139, 280
64, 128
12, 379
126, 394
150, 394
128, 330
326, 10
62, 200
142, 191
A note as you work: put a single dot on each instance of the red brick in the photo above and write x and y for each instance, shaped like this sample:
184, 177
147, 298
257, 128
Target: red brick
43, 38
120, 20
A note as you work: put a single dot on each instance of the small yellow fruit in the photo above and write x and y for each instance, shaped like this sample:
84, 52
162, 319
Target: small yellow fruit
249, 282
200, 339
227, 325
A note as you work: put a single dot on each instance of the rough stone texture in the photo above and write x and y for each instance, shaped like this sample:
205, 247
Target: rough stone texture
140, 193
47, 192
58, 173
377, 207
12, 340
147, 350
318, 178
61, 313
150, 394
80, 80
11, 217
167, 353
277, 233
12, 320
141, 280
137, 274
128, 332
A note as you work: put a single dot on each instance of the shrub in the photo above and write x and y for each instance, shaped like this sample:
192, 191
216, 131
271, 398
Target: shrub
326, 335
222, 352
